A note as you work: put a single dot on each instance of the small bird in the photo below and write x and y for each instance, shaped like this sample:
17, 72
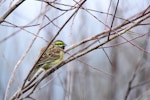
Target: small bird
52, 56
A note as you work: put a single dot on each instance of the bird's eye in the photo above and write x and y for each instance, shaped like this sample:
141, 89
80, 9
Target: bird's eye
63, 47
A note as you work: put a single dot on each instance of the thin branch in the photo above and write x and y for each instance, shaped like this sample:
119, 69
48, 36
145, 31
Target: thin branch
11, 10
113, 19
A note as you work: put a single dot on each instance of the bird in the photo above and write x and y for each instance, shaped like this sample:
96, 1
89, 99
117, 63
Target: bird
51, 57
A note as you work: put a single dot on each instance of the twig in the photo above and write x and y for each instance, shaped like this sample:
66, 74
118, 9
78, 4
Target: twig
113, 19
11, 10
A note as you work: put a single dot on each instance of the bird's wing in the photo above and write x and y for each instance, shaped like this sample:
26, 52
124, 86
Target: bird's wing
50, 55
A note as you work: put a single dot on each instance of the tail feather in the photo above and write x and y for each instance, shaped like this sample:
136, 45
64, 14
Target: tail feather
35, 73
32, 74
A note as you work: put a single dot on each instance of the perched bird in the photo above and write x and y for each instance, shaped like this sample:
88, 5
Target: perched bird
51, 57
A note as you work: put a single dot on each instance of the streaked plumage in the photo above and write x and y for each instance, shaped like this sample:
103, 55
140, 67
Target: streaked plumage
52, 56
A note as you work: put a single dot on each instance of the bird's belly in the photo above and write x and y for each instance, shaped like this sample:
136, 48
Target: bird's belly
49, 65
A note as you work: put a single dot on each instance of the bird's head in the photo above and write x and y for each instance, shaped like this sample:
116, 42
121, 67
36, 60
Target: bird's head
60, 44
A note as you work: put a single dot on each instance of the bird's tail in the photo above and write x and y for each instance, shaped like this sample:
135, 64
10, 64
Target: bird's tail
35, 73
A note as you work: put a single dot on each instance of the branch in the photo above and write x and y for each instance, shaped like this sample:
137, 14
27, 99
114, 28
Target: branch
11, 10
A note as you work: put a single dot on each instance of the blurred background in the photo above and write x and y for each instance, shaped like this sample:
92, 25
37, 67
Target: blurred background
118, 70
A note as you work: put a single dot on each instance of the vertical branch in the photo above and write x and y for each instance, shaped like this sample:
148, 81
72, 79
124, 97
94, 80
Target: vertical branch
113, 19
